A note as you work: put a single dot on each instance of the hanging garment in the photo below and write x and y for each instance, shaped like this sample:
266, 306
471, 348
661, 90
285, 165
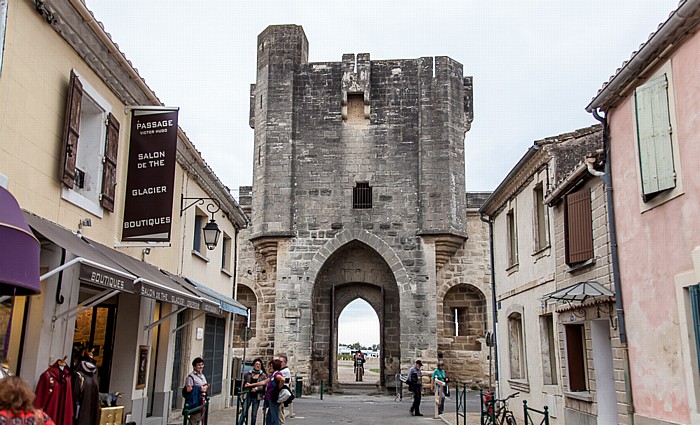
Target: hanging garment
54, 394
86, 394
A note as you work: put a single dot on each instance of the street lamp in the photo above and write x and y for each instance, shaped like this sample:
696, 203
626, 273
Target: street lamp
211, 234
211, 230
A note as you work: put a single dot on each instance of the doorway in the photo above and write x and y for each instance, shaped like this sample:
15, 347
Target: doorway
358, 330
94, 333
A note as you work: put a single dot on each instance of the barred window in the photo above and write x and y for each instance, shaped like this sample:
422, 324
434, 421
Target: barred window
362, 196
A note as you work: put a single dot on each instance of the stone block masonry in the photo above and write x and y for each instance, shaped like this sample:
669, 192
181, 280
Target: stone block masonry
392, 130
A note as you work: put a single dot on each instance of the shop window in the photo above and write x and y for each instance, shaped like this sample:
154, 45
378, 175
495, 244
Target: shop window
578, 229
214, 337
549, 354
89, 152
226, 253
576, 357
540, 216
516, 344
512, 236
362, 196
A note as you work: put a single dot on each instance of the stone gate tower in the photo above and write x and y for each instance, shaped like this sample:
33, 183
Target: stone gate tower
359, 192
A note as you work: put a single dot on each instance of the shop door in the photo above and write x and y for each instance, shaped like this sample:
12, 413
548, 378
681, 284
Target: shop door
94, 335
214, 336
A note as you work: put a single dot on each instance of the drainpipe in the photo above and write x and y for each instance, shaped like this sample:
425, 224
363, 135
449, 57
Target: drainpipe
494, 310
606, 176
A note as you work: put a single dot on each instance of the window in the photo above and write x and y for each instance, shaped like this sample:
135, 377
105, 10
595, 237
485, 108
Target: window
89, 152
226, 253
576, 357
517, 346
549, 354
213, 355
362, 196
197, 240
540, 227
461, 321
578, 229
512, 238
695, 307
654, 137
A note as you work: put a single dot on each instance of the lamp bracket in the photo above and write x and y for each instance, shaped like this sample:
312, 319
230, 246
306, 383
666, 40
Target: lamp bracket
212, 207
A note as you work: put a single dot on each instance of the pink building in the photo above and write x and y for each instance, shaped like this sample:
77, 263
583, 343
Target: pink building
652, 109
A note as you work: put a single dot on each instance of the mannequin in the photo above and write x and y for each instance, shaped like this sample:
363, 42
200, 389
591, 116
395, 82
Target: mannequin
54, 394
86, 392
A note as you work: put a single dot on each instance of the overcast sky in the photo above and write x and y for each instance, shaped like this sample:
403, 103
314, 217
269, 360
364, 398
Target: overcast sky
358, 322
536, 64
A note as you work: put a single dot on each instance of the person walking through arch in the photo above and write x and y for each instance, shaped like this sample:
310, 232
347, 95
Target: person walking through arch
440, 379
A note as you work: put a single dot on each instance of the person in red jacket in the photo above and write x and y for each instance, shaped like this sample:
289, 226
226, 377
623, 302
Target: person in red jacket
54, 394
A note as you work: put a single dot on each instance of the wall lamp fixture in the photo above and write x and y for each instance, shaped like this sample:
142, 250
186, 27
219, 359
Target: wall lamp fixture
211, 230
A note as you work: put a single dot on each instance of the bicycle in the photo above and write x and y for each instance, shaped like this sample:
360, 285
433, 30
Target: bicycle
496, 411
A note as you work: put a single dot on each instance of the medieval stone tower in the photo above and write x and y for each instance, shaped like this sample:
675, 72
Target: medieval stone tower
359, 192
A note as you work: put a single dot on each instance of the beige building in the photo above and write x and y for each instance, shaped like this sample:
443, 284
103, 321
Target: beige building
556, 334
143, 309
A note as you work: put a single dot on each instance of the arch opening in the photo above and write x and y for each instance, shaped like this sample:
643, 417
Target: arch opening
354, 271
358, 330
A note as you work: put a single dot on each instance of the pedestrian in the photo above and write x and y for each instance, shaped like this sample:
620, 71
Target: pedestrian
274, 384
359, 363
256, 392
440, 379
287, 374
196, 387
415, 385
17, 404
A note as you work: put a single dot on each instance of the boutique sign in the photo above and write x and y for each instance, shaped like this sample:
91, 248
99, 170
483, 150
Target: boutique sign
148, 203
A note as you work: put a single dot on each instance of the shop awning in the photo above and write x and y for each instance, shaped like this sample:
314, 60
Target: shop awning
151, 282
579, 292
19, 250
95, 267
226, 303
206, 305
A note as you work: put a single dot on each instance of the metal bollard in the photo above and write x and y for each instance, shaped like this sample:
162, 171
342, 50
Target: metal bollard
321, 389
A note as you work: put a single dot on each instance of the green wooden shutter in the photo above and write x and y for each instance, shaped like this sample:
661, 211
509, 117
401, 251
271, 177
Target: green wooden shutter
654, 136
695, 305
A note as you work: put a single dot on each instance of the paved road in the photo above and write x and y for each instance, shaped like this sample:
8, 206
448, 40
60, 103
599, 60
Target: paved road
362, 410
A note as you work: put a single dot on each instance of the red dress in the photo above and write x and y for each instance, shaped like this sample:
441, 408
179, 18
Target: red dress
25, 418
54, 394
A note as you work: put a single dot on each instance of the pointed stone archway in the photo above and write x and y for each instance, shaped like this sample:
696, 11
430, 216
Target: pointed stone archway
355, 269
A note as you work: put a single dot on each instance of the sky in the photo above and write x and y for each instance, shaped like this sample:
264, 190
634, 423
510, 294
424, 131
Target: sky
358, 322
536, 63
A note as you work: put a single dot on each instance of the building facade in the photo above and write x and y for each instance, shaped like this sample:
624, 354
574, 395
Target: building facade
142, 310
556, 333
650, 108
359, 192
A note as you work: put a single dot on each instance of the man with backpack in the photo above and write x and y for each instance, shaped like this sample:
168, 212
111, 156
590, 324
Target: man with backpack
195, 390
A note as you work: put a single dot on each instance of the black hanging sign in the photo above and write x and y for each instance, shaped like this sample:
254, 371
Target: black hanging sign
148, 204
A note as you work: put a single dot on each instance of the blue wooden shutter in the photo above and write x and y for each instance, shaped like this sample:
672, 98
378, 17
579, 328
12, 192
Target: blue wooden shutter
654, 136
695, 305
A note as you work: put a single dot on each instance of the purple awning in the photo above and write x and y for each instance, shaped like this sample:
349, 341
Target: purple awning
19, 250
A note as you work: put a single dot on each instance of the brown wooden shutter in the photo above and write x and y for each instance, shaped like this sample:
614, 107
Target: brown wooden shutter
109, 164
71, 131
579, 226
